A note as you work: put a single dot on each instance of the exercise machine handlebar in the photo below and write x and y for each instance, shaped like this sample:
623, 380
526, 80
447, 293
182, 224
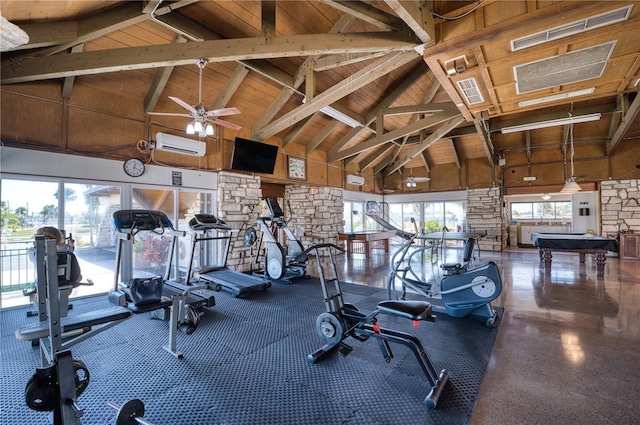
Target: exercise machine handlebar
316, 247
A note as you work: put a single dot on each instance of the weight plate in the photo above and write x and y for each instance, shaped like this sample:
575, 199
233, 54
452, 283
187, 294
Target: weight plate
131, 410
329, 328
82, 376
39, 394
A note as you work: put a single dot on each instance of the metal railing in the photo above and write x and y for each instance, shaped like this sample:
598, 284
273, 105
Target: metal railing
18, 271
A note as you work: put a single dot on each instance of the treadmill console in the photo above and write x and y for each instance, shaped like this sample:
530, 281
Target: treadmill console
207, 222
137, 220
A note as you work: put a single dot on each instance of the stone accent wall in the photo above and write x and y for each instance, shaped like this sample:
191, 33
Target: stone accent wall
484, 213
620, 204
238, 199
318, 211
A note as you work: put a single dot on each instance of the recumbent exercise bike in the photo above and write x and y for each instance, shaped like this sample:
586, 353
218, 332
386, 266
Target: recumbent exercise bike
463, 291
343, 320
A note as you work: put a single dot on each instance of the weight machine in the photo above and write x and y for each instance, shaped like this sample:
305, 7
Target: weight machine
57, 384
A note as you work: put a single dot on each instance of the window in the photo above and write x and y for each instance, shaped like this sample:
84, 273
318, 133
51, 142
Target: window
356, 219
549, 210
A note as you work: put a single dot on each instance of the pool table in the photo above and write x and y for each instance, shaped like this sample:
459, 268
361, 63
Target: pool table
573, 242
368, 239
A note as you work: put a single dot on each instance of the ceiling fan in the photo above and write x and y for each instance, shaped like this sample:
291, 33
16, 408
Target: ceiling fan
203, 119
412, 180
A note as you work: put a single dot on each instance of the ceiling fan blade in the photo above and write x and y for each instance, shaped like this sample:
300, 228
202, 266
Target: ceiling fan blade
228, 124
184, 104
170, 114
222, 112
421, 179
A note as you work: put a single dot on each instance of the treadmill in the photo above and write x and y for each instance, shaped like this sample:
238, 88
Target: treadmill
220, 277
129, 223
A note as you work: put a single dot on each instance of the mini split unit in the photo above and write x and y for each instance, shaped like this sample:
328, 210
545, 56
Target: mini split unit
180, 145
357, 180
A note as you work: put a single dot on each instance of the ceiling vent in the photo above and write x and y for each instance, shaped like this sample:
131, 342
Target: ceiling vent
181, 145
572, 28
470, 91
580, 65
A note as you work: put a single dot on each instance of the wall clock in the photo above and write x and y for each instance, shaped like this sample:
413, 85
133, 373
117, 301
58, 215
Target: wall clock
134, 167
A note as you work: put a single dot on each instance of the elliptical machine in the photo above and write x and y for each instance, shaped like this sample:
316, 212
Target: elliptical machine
343, 320
280, 263
463, 291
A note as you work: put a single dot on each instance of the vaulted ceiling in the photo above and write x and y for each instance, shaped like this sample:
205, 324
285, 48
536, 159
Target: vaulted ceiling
422, 84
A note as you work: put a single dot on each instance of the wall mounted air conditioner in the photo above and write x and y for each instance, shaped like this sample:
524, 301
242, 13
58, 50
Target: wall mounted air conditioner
181, 145
357, 180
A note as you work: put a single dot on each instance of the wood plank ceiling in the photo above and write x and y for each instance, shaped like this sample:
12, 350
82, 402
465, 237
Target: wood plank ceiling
426, 83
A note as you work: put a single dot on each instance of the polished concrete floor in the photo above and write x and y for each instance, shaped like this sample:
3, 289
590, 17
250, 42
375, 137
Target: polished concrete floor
568, 347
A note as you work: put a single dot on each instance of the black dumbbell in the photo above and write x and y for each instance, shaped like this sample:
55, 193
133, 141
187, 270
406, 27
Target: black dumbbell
131, 413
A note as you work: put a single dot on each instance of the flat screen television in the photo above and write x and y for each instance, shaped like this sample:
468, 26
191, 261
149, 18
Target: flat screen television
253, 156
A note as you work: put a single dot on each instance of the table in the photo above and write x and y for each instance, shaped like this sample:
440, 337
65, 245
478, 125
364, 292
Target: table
438, 239
366, 238
574, 242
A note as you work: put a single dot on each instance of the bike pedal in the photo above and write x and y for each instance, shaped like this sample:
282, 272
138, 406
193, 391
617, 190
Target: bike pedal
344, 349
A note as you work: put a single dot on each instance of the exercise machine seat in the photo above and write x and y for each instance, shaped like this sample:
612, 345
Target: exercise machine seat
414, 310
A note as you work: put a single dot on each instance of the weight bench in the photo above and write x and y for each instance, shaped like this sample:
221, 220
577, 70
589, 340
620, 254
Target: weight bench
52, 329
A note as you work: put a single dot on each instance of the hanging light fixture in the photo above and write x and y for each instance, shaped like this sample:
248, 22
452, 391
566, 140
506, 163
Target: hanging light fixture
570, 186
546, 197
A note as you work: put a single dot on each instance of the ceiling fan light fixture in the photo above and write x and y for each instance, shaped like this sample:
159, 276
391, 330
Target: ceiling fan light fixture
209, 129
197, 126
546, 197
190, 128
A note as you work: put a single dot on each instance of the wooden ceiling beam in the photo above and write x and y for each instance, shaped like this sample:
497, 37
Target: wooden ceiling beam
423, 158
350, 84
423, 108
67, 85
627, 120
333, 61
418, 17
392, 135
295, 131
48, 34
367, 13
159, 82
482, 129
375, 155
321, 136
230, 88
268, 23
445, 128
454, 152
144, 57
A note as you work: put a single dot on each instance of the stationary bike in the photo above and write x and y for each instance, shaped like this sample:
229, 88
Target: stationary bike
464, 291
281, 263
343, 320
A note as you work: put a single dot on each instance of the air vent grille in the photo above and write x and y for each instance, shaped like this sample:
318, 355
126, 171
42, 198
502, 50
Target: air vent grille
576, 66
470, 91
572, 28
